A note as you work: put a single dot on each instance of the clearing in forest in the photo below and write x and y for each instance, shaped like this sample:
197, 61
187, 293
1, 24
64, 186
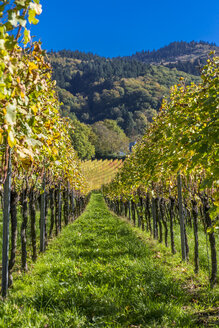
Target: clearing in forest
97, 273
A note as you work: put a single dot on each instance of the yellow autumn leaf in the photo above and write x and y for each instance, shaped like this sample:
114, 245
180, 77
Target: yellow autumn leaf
22, 94
21, 154
47, 124
49, 142
2, 96
34, 109
56, 135
32, 66
24, 152
55, 151
26, 157
1, 137
26, 162
11, 139
13, 93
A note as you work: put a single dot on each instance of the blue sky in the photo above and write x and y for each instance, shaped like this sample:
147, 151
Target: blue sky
122, 27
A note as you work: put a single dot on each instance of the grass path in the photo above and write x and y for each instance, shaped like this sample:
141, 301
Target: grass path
97, 273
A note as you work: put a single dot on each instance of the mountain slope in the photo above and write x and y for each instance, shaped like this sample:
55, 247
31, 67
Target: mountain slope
187, 57
95, 88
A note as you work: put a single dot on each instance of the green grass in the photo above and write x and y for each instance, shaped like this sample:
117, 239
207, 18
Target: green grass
17, 265
204, 245
100, 272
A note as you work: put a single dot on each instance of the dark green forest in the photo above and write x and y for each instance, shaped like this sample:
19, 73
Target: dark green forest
128, 90
188, 57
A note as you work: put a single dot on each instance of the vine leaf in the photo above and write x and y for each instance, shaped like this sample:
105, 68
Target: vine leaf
11, 139
26, 36
10, 115
13, 19
31, 18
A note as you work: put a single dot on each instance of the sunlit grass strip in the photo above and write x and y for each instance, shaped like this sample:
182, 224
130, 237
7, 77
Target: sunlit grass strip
97, 273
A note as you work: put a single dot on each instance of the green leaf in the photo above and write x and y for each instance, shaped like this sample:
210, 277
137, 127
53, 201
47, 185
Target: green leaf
31, 17
13, 19
2, 7
10, 42
11, 139
210, 230
26, 36
22, 21
2, 44
10, 116
20, 2
33, 142
2, 31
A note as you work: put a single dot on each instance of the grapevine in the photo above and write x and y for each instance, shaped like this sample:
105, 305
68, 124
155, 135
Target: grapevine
172, 173
36, 154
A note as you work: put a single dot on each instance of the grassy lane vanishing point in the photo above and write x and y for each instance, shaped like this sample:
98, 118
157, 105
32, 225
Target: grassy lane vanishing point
97, 273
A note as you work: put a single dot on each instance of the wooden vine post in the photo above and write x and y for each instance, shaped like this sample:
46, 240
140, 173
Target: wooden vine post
212, 241
181, 216
72, 204
195, 228
155, 234
59, 209
6, 219
42, 215
129, 204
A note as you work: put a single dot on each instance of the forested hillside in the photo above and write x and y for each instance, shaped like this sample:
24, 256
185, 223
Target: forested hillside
185, 56
128, 91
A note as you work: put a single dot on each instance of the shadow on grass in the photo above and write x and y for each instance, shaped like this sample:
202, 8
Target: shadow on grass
99, 274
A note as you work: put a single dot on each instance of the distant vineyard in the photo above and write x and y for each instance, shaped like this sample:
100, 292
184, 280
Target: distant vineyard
99, 172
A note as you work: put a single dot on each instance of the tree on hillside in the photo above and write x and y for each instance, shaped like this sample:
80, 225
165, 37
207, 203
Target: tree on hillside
82, 140
111, 139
